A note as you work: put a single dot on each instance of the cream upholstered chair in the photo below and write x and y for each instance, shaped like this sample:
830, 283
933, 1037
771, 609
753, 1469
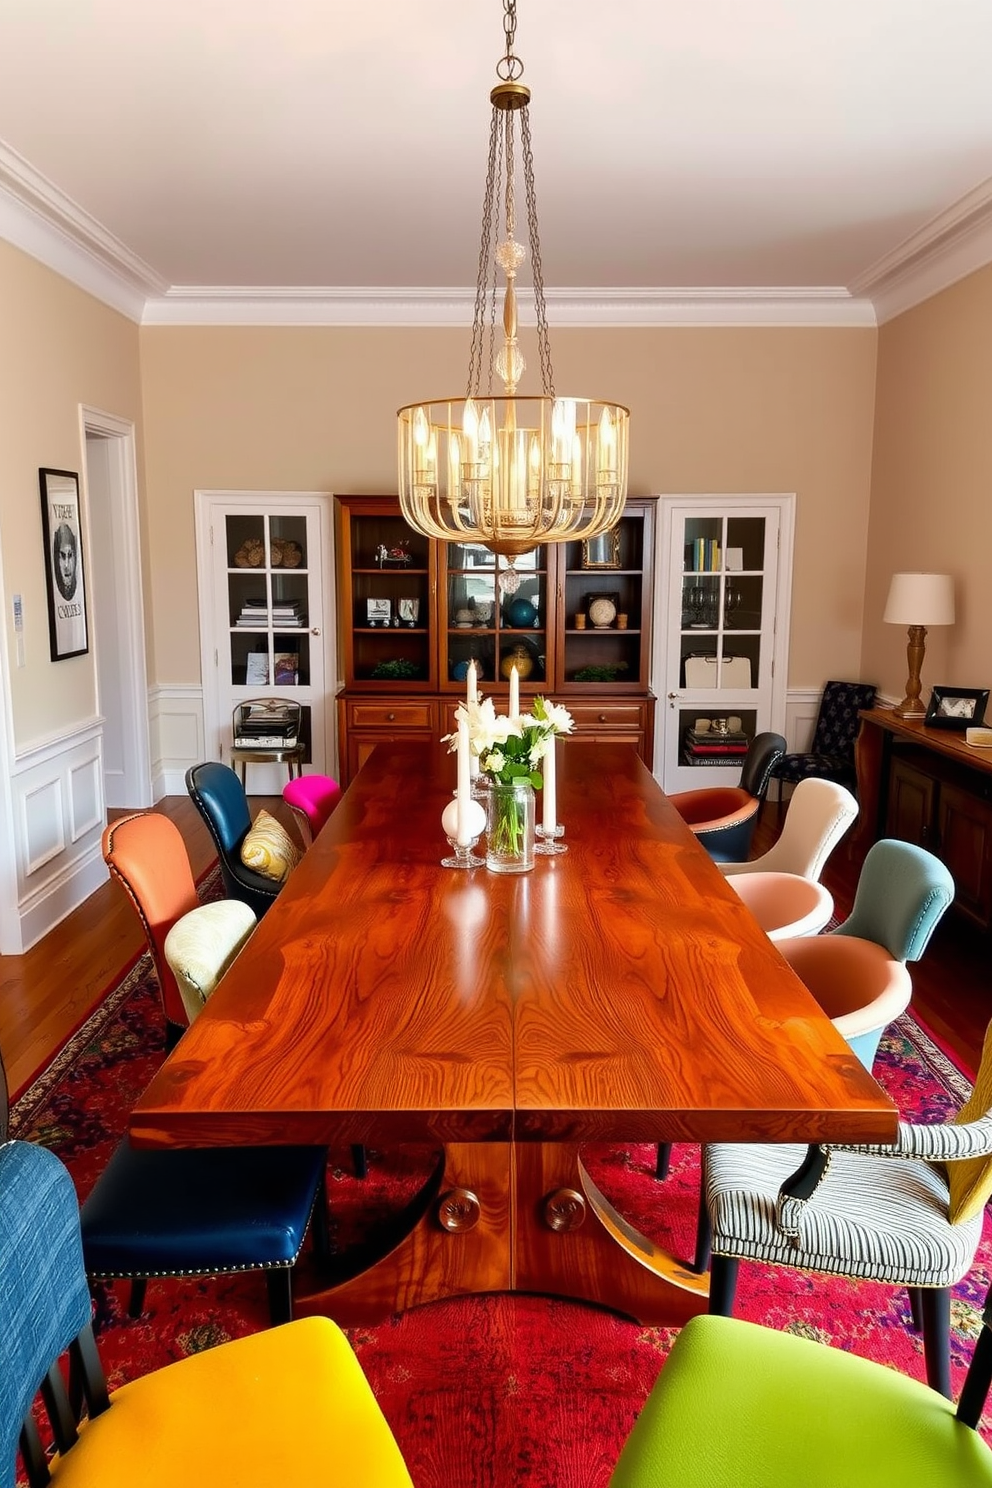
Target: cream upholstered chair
817, 817
785, 904
909, 1214
201, 946
286, 1405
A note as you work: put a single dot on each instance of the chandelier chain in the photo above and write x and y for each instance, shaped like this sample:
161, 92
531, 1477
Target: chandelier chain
509, 68
476, 354
543, 337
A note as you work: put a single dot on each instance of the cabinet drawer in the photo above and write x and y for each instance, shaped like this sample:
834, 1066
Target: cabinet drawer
390, 715
594, 717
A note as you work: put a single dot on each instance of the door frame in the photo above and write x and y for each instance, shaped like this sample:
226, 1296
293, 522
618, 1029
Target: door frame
784, 503
125, 564
208, 505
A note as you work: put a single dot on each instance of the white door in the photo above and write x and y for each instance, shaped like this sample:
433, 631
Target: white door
723, 625
265, 567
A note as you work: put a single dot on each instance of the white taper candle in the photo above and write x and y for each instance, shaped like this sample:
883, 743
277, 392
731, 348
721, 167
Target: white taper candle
514, 711
549, 821
463, 794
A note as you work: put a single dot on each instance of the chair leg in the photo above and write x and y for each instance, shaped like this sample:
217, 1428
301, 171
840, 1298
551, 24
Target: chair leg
936, 1308
279, 1281
136, 1301
704, 1237
173, 1033
320, 1228
360, 1160
723, 1284
916, 1307
664, 1160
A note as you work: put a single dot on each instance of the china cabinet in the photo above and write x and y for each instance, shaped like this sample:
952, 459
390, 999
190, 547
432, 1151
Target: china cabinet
413, 614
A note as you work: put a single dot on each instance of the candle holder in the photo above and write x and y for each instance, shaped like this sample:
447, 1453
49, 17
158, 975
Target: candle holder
475, 823
547, 844
463, 856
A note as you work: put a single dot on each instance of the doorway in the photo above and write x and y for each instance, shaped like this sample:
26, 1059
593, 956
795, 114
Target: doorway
117, 607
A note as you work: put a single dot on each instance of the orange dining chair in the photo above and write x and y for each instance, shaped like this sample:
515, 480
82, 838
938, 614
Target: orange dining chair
147, 856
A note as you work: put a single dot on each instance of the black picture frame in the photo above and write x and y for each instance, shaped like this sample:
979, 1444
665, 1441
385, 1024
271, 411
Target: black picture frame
957, 707
65, 572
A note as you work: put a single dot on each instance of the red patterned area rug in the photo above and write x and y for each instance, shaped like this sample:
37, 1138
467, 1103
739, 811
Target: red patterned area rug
492, 1391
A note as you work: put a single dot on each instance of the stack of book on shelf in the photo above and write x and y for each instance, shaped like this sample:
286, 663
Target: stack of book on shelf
266, 726
703, 555
707, 747
255, 614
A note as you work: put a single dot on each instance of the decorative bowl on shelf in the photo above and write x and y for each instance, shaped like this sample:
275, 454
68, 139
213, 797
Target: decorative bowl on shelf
602, 612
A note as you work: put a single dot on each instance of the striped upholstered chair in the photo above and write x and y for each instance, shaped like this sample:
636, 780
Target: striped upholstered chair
909, 1215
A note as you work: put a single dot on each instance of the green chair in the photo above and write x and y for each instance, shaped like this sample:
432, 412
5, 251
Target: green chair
741, 1406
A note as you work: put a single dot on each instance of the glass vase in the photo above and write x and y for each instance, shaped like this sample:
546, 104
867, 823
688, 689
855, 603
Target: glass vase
510, 828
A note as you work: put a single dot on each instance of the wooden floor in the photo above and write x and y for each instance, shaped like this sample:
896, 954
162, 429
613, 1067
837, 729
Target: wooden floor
46, 993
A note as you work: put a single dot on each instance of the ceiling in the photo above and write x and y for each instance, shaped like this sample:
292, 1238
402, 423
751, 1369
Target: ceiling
688, 153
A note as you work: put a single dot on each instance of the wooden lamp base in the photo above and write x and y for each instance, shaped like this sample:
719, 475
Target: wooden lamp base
911, 706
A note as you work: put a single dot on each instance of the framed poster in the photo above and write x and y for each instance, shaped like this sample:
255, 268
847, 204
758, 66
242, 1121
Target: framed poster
64, 572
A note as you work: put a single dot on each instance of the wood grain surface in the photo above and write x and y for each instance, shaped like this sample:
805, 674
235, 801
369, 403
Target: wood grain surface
620, 992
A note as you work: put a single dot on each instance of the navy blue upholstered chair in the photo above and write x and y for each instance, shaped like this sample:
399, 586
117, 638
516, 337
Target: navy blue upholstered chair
219, 797
831, 752
724, 817
193, 1212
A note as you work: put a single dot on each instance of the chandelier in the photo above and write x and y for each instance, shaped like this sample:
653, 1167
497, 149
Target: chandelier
506, 470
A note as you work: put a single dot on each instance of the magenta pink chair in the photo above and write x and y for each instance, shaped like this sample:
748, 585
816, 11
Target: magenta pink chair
312, 798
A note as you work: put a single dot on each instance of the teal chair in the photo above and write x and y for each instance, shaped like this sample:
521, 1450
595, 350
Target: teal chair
857, 973
741, 1406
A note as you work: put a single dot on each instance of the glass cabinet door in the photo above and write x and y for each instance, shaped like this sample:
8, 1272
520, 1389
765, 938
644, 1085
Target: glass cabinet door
390, 578
722, 586
268, 591
495, 614
606, 592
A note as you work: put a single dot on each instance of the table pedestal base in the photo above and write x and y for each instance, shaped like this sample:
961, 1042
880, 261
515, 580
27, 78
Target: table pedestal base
518, 1217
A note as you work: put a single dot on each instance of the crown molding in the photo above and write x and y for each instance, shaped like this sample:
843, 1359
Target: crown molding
266, 306
948, 248
43, 222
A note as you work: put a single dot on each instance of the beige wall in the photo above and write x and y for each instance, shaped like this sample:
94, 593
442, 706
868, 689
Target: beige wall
59, 348
713, 410
931, 502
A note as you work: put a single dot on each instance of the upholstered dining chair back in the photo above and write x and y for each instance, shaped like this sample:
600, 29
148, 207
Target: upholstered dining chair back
147, 856
902, 892
311, 798
831, 752
219, 796
818, 815
765, 749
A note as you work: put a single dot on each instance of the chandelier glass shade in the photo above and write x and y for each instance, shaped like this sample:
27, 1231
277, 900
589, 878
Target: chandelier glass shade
510, 470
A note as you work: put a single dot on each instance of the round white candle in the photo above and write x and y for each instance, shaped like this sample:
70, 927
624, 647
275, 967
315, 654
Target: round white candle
463, 834
550, 804
514, 693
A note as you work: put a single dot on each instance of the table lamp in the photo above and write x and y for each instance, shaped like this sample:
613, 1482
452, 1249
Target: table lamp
918, 600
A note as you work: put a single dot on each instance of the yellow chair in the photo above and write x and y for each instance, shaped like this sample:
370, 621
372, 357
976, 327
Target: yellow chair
287, 1406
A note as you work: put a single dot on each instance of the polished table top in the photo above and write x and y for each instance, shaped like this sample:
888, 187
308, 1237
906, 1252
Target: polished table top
621, 991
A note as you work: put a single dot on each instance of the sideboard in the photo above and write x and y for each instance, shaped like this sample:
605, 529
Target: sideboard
928, 786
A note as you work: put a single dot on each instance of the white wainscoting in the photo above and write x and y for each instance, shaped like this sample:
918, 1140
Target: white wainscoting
801, 708
175, 717
58, 816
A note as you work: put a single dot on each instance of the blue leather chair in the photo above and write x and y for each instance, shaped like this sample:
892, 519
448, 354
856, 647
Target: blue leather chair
193, 1212
219, 797
724, 817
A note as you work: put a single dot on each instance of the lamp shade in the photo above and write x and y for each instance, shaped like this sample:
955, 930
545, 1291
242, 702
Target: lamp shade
920, 599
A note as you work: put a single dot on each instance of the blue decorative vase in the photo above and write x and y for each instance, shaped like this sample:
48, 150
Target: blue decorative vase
521, 613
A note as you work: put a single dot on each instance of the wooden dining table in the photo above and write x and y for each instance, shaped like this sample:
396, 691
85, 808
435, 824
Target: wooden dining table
620, 992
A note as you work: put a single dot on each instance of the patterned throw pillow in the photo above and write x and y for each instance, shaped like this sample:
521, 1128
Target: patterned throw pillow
970, 1181
269, 849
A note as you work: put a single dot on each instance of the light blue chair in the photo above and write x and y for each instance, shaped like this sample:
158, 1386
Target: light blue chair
858, 973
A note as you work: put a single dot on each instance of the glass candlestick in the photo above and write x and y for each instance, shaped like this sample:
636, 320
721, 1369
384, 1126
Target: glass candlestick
463, 856
547, 844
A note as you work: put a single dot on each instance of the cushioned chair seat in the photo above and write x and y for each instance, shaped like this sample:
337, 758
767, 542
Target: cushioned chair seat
878, 1217
739, 1406
859, 985
201, 946
200, 1211
288, 1406
723, 817
784, 904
